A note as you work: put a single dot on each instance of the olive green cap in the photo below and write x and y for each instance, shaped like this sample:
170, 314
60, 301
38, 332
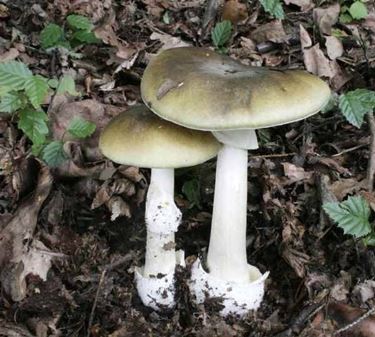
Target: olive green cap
140, 138
201, 89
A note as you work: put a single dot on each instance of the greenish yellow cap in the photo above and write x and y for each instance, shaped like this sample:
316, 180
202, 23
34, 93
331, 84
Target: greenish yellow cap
140, 138
201, 89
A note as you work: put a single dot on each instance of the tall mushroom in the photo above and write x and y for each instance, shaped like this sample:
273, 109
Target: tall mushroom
138, 137
200, 89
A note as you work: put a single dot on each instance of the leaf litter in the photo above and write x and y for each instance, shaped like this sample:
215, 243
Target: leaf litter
59, 237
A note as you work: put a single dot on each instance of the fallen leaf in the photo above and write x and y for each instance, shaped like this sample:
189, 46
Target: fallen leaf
305, 5
168, 41
365, 290
295, 173
272, 31
326, 17
16, 237
234, 11
166, 87
9, 55
344, 315
334, 47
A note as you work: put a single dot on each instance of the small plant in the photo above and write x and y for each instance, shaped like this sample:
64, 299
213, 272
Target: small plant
76, 32
355, 11
355, 104
221, 34
22, 94
352, 215
191, 188
274, 7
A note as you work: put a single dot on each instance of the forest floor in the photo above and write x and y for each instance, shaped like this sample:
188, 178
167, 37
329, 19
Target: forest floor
87, 214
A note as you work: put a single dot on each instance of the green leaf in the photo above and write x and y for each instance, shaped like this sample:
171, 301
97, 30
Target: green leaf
345, 18
67, 85
53, 154
191, 189
221, 33
13, 76
79, 22
53, 83
358, 10
33, 124
273, 7
352, 215
355, 104
81, 128
85, 36
51, 35
36, 88
369, 240
10, 102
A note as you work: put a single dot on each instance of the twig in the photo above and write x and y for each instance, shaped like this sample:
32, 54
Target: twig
106, 269
371, 160
357, 321
92, 313
275, 155
349, 150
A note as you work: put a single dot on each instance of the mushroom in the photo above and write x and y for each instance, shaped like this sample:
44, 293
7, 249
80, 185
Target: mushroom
200, 89
138, 137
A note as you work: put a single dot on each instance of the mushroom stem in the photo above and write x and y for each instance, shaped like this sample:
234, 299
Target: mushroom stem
226, 257
162, 219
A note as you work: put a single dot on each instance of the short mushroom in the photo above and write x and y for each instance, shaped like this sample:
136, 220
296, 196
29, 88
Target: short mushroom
138, 137
200, 89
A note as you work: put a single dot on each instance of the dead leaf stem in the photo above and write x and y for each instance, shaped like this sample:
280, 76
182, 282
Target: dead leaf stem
371, 161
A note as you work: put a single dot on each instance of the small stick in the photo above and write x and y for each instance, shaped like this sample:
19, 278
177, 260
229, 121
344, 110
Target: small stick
275, 155
357, 321
107, 268
371, 161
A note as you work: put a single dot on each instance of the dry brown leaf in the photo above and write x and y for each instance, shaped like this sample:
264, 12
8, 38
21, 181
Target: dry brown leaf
317, 63
345, 314
365, 290
272, 31
234, 11
341, 188
16, 236
168, 41
295, 173
118, 207
305, 5
9, 55
326, 17
334, 47
89, 109
107, 34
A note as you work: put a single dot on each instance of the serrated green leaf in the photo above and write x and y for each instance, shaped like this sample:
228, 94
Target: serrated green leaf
10, 102
67, 85
53, 83
84, 36
53, 153
79, 22
13, 76
33, 124
51, 36
221, 33
358, 10
274, 7
81, 128
355, 104
352, 215
36, 89
369, 240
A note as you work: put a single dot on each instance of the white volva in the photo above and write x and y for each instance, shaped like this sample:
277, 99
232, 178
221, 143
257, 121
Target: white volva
230, 277
155, 281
